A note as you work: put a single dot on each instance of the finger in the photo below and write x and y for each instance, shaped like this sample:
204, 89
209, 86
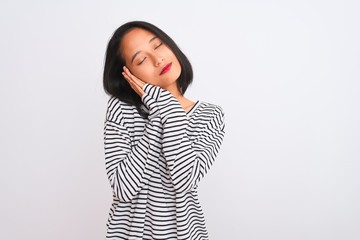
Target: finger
128, 73
136, 80
127, 78
131, 76
138, 83
138, 89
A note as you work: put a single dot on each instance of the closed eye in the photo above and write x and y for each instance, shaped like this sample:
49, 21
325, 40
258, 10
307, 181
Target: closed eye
159, 45
141, 61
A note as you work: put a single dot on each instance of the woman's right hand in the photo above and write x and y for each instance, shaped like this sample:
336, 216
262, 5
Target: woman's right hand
134, 82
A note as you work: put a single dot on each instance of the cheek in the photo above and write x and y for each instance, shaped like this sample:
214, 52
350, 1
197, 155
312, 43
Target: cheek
178, 68
143, 73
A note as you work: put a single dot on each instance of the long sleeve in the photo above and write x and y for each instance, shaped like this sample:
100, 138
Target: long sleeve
188, 161
155, 164
129, 167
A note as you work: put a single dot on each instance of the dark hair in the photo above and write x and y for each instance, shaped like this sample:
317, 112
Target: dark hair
113, 80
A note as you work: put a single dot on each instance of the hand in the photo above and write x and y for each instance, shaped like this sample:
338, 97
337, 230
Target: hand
134, 82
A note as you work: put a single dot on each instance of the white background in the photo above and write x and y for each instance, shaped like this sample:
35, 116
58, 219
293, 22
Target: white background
285, 72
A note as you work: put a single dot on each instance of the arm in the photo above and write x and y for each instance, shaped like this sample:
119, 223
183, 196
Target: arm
129, 167
187, 161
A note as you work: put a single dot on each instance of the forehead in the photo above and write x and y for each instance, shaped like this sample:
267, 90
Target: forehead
134, 40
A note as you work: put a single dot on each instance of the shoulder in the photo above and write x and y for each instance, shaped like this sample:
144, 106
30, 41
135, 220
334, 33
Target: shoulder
117, 110
209, 115
211, 109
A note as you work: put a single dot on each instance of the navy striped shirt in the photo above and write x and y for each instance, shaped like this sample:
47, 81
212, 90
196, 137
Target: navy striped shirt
154, 165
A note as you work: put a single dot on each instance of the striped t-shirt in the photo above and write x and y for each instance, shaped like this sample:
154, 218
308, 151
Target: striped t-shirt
154, 165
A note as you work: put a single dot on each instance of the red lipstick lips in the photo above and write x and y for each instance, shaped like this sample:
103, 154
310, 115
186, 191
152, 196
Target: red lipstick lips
166, 68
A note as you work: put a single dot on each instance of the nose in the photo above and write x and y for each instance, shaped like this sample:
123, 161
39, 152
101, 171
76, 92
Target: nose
158, 60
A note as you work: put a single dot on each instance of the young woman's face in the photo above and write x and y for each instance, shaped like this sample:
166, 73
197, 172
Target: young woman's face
149, 59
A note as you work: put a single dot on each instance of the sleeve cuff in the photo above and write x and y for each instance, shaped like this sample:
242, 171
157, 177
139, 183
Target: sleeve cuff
152, 91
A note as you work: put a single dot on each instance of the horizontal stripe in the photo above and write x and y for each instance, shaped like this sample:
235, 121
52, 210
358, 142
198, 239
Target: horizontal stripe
154, 165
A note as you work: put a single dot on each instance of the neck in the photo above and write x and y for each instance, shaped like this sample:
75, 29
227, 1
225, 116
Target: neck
185, 103
174, 90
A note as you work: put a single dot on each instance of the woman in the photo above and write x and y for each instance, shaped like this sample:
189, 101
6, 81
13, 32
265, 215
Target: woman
158, 143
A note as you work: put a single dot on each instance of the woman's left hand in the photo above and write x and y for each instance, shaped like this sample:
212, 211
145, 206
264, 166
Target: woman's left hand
134, 82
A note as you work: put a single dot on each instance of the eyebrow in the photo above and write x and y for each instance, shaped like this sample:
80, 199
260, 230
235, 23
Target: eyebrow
137, 53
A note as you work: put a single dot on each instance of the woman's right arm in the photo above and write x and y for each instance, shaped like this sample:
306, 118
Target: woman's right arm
130, 167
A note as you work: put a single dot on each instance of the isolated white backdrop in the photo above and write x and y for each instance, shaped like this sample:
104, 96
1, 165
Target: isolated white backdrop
285, 72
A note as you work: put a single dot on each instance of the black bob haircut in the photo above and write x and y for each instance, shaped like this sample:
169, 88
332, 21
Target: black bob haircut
114, 82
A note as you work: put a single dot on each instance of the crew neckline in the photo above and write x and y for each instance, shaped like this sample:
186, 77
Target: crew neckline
192, 109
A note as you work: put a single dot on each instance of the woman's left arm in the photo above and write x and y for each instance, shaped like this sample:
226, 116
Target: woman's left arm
187, 160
